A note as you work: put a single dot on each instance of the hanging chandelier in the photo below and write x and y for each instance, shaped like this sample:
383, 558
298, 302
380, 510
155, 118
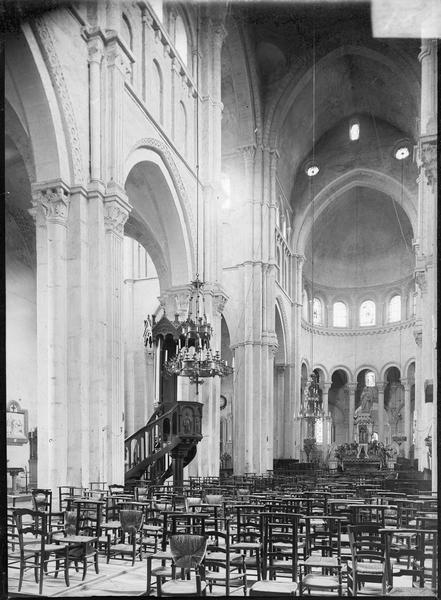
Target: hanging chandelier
194, 357
312, 404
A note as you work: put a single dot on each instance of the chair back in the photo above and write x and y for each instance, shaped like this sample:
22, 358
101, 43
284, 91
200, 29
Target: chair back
188, 550
42, 500
116, 488
366, 542
214, 499
131, 520
89, 517
33, 523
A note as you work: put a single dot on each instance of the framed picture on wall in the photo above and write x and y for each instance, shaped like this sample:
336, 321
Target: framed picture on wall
16, 424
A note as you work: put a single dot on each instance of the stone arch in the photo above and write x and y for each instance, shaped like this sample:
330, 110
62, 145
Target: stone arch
386, 367
356, 177
37, 93
321, 368
161, 216
345, 370
365, 367
289, 90
407, 365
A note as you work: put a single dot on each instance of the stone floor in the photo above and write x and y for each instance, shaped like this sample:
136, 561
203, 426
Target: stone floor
114, 579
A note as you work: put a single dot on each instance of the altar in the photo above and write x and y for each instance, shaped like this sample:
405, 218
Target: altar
361, 465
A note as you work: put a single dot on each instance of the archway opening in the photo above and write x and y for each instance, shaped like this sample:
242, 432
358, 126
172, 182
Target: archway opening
338, 404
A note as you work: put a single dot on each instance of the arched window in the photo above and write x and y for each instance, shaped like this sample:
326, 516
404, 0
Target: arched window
369, 379
340, 314
286, 268
317, 312
305, 304
394, 312
181, 39
367, 313
158, 92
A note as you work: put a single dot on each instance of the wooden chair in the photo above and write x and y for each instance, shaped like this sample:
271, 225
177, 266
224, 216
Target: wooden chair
224, 568
130, 539
41, 553
280, 555
42, 502
81, 548
248, 535
188, 552
321, 570
421, 564
367, 556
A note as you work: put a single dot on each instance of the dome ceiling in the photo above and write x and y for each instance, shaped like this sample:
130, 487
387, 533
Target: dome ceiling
353, 237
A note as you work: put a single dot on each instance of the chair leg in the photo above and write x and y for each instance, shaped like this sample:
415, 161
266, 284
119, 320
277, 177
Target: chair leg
84, 568
66, 571
96, 562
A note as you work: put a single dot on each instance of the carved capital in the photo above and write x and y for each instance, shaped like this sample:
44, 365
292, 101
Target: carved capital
274, 158
421, 281
418, 335
427, 160
351, 387
248, 153
116, 213
280, 369
219, 33
52, 202
95, 48
380, 385
219, 301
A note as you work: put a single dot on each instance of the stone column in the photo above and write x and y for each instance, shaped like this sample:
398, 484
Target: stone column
325, 391
97, 278
78, 348
407, 423
95, 46
351, 387
116, 212
380, 388
50, 211
279, 410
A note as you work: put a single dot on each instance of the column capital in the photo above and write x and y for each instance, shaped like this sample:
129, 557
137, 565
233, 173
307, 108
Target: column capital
248, 153
51, 201
280, 369
352, 386
95, 48
418, 334
326, 386
426, 159
219, 33
116, 213
380, 385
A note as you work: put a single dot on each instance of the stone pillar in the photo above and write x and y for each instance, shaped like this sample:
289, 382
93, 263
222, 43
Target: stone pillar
351, 387
116, 212
97, 338
95, 45
50, 211
407, 422
78, 341
426, 252
380, 388
325, 392
280, 415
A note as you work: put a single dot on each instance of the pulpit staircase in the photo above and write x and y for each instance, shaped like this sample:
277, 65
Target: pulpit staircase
165, 445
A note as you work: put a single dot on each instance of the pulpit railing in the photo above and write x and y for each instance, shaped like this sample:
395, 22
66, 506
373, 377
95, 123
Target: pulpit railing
150, 450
